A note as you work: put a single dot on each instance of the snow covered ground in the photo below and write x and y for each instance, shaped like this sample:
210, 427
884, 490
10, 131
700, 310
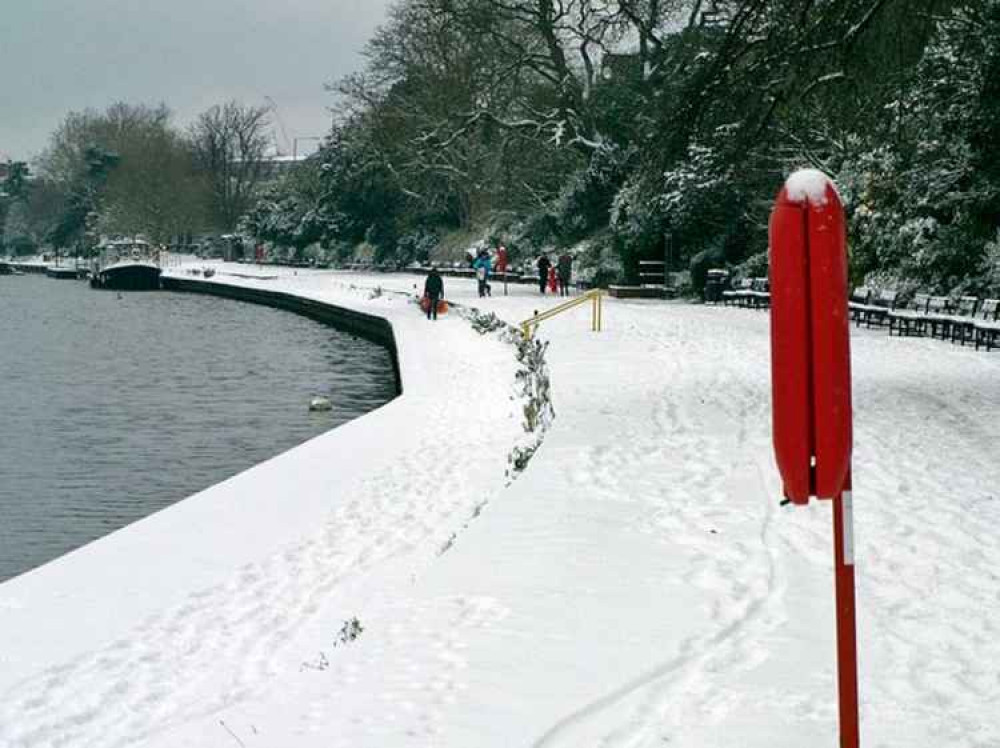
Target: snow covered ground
637, 585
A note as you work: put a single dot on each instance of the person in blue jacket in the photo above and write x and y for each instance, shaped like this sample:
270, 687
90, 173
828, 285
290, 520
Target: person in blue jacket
483, 266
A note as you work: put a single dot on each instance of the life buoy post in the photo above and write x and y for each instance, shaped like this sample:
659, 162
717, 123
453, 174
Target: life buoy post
811, 386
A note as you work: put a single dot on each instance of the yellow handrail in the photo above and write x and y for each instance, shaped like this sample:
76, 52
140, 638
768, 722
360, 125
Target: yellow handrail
594, 296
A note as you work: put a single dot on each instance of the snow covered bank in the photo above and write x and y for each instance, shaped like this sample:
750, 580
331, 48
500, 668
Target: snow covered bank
638, 585
118, 640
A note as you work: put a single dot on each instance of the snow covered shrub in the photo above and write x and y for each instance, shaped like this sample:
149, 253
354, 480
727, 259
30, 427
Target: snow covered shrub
416, 246
533, 381
918, 203
350, 631
532, 387
532, 378
699, 202
537, 230
342, 252
696, 195
521, 456
597, 263
633, 214
754, 266
991, 268
486, 323
584, 204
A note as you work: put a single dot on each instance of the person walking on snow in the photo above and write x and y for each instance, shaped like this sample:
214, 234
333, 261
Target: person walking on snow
565, 269
433, 290
544, 265
483, 266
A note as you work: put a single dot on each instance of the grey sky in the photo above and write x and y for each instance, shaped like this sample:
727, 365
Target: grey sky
58, 56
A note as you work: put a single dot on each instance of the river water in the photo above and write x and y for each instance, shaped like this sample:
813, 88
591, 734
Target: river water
115, 405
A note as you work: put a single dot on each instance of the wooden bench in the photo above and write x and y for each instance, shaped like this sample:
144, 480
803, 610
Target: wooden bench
911, 319
938, 316
959, 323
985, 326
636, 292
759, 295
737, 294
878, 310
859, 300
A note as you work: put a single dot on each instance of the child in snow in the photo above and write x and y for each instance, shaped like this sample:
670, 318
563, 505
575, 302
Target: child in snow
483, 266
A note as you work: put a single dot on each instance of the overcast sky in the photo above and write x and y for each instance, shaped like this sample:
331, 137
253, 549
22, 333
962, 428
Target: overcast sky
58, 56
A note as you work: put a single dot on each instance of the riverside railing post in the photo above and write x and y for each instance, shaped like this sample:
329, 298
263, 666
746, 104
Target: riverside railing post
811, 388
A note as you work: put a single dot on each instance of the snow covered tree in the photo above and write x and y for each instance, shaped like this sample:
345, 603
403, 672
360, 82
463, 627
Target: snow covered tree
124, 170
13, 189
667, 126
922, 203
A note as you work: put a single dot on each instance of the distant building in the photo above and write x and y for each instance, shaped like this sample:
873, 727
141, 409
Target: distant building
274, 166
277, 165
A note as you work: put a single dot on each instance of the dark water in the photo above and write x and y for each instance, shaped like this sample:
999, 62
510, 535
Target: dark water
113, 406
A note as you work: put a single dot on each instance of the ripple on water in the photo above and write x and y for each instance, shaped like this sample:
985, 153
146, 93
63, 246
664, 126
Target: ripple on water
116, 406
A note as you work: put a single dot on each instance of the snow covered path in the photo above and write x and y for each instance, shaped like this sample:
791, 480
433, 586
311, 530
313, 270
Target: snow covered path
638, 585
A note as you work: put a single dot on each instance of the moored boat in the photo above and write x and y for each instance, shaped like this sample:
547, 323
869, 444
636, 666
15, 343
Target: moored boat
127, 266
63, 272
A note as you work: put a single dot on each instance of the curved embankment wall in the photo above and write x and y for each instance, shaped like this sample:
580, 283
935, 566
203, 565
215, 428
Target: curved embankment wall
376, 329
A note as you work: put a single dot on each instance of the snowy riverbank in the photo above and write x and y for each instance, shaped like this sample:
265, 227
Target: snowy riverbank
638, 585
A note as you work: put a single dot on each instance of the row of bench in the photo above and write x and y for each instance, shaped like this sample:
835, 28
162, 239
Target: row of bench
963, 320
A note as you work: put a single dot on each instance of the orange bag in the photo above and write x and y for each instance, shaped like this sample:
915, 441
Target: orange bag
425, 303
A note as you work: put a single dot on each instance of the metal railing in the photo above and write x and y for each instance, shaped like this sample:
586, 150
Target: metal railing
593, 296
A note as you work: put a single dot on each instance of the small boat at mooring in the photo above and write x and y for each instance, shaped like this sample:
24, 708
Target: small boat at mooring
63, 272
127, 265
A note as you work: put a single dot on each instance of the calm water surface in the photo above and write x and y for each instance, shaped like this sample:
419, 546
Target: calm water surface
113, 406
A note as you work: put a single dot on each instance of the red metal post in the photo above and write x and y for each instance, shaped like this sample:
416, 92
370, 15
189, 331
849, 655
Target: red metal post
847, 640
811, 388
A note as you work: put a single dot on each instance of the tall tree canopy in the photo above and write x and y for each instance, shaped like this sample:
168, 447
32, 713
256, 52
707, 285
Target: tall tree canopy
124, 170
670, 123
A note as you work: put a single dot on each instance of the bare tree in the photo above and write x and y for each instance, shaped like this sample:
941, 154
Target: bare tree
230, 143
